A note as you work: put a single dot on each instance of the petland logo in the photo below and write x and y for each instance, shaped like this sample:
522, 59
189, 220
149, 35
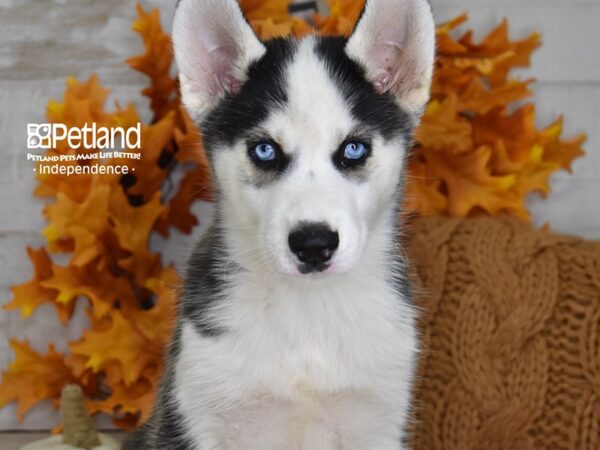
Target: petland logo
47, 135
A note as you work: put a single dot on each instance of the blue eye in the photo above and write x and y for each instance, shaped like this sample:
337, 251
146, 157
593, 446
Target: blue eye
355, 150
351, 155
264, 151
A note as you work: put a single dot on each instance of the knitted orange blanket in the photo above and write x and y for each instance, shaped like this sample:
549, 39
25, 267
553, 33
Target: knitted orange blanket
511, 334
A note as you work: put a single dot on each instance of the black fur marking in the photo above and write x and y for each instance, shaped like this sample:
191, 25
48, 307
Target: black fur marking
164, 430
204, 283
377, 111
264, 90
400, 278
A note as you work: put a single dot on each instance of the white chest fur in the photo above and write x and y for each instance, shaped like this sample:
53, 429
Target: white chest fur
321, 365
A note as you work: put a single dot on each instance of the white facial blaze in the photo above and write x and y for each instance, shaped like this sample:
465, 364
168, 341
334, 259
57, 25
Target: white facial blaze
310, 128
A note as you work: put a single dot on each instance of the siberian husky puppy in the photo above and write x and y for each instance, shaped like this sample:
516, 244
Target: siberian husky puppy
296, 329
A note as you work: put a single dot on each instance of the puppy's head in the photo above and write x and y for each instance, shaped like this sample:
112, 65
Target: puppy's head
307, 138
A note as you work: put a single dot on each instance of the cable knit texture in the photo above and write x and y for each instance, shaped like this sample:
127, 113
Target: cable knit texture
511, 333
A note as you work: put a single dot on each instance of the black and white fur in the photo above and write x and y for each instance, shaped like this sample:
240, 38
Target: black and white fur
268, 354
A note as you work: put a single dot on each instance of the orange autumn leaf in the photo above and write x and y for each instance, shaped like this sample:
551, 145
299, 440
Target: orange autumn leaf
83, 102
446, 44
133, 227
148, 173
470, 183
497, 54
196, 184
444, 128
256, 10
156, 323
424, 191
128, 404
515, 131
270, 18
341, 19
563, 151
474, 149
29, 296
131, 356
461, 61
77, 225
33, 377
155, 62
102, 288
478, 99
179, 213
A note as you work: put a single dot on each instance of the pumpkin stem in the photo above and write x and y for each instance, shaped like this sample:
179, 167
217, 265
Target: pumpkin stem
79, 431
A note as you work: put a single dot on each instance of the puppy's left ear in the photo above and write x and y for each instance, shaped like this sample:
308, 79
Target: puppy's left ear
214, 46
395, 41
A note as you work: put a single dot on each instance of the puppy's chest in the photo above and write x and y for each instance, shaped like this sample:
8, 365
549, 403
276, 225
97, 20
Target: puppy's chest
291, 344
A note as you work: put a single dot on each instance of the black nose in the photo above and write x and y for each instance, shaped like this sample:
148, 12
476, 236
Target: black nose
313, 244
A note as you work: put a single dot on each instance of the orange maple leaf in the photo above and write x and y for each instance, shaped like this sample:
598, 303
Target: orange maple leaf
156, 323
477, 98
103, 289
469, 182
444, 128
29, 296
423, 193
133, 227
128, 405
342, 17
114, 341
496, 55
75, 226
82, 103
470, 149
270, 18
148, 173
562, 151
155, 62
32, 377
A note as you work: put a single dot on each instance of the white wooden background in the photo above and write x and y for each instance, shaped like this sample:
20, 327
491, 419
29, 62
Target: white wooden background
44, 41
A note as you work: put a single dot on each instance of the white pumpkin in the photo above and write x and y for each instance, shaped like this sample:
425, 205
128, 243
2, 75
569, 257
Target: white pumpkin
56, 443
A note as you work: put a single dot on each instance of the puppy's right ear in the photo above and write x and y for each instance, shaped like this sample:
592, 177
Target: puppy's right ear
214, 46
395, 41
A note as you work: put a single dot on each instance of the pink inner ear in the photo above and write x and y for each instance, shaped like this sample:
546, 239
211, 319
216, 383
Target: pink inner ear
397, 70
382, 81
388, 57
223, 63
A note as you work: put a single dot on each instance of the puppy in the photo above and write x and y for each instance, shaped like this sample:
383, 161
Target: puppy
296, 329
